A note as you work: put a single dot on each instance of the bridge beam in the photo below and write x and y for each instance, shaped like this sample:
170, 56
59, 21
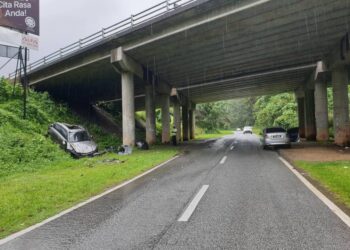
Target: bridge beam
340, 80
340, 56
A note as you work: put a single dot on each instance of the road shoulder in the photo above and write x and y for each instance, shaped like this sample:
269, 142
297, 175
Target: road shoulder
288, 157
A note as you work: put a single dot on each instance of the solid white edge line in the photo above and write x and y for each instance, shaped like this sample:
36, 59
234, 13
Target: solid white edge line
194, 203
31, 228
334, 208
223, 160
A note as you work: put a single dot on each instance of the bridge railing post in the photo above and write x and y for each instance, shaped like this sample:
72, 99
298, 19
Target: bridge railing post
167, 5
132, 20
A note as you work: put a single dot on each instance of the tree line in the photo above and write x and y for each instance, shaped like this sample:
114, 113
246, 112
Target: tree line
264, 111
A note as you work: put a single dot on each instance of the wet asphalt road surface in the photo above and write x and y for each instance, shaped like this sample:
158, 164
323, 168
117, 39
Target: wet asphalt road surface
253, 202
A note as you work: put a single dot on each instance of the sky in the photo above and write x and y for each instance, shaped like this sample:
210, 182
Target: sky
66, 21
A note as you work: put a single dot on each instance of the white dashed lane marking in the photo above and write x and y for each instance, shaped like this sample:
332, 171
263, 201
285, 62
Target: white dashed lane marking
194, 203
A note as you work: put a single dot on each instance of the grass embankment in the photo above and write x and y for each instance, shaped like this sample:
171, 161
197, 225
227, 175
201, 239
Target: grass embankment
333, 176
219, 134
37, 178
32, 197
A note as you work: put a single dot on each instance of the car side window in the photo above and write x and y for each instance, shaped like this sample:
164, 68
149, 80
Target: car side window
61, 131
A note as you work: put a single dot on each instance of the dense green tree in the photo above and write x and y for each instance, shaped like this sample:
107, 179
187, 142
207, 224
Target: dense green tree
210, 116
279, 110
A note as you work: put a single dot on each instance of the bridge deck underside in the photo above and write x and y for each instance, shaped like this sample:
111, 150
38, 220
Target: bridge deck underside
270, 36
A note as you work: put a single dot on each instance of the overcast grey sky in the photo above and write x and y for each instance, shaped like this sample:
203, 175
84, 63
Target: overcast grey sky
66, 21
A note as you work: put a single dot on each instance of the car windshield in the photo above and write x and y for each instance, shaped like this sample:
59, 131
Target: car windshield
79, 136
275, 130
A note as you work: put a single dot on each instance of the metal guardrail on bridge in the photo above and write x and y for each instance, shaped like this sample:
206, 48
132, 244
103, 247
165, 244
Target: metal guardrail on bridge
129, 23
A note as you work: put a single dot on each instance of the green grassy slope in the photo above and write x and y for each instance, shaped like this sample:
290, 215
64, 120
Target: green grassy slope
24, 146
37, 178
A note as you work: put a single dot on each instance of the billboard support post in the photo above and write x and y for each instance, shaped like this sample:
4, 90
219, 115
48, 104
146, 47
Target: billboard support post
25, 83
23, 62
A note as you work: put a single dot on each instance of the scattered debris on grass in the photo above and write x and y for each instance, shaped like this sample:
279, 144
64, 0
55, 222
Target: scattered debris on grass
113, 160
124, 150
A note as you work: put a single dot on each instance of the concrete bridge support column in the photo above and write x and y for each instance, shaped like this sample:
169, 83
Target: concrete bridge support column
341, 125
301, 115
128, 107
185, 123
128, 69
165, 104
310, 120
321, 111
177, 119
192, 121
150, 115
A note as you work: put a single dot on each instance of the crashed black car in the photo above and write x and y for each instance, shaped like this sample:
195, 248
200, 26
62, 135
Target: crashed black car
73, 138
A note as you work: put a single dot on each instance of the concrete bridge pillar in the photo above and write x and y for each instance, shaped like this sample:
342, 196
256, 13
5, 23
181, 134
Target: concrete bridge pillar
192, 121
310, 120
340, 80
165, 104
300, 97
177, 119
150, 115
127, 68
128, 107
321, 111
185, 123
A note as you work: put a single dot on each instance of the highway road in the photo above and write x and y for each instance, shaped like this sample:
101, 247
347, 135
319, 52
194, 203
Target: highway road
220, 194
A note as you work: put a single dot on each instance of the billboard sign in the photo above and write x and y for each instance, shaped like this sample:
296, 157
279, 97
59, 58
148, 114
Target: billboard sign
22, 15
19, 39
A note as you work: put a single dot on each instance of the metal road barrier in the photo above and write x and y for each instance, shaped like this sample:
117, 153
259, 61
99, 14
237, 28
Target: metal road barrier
126, 24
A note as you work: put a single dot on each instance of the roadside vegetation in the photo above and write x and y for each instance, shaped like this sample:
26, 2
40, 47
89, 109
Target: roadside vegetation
333, 176
37, 178
260, 112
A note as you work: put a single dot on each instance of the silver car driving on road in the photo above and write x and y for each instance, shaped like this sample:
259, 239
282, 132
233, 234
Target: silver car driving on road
73, 138
275, 137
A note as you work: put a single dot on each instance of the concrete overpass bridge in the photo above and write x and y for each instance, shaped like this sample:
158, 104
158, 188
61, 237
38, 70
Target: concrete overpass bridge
185, 52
